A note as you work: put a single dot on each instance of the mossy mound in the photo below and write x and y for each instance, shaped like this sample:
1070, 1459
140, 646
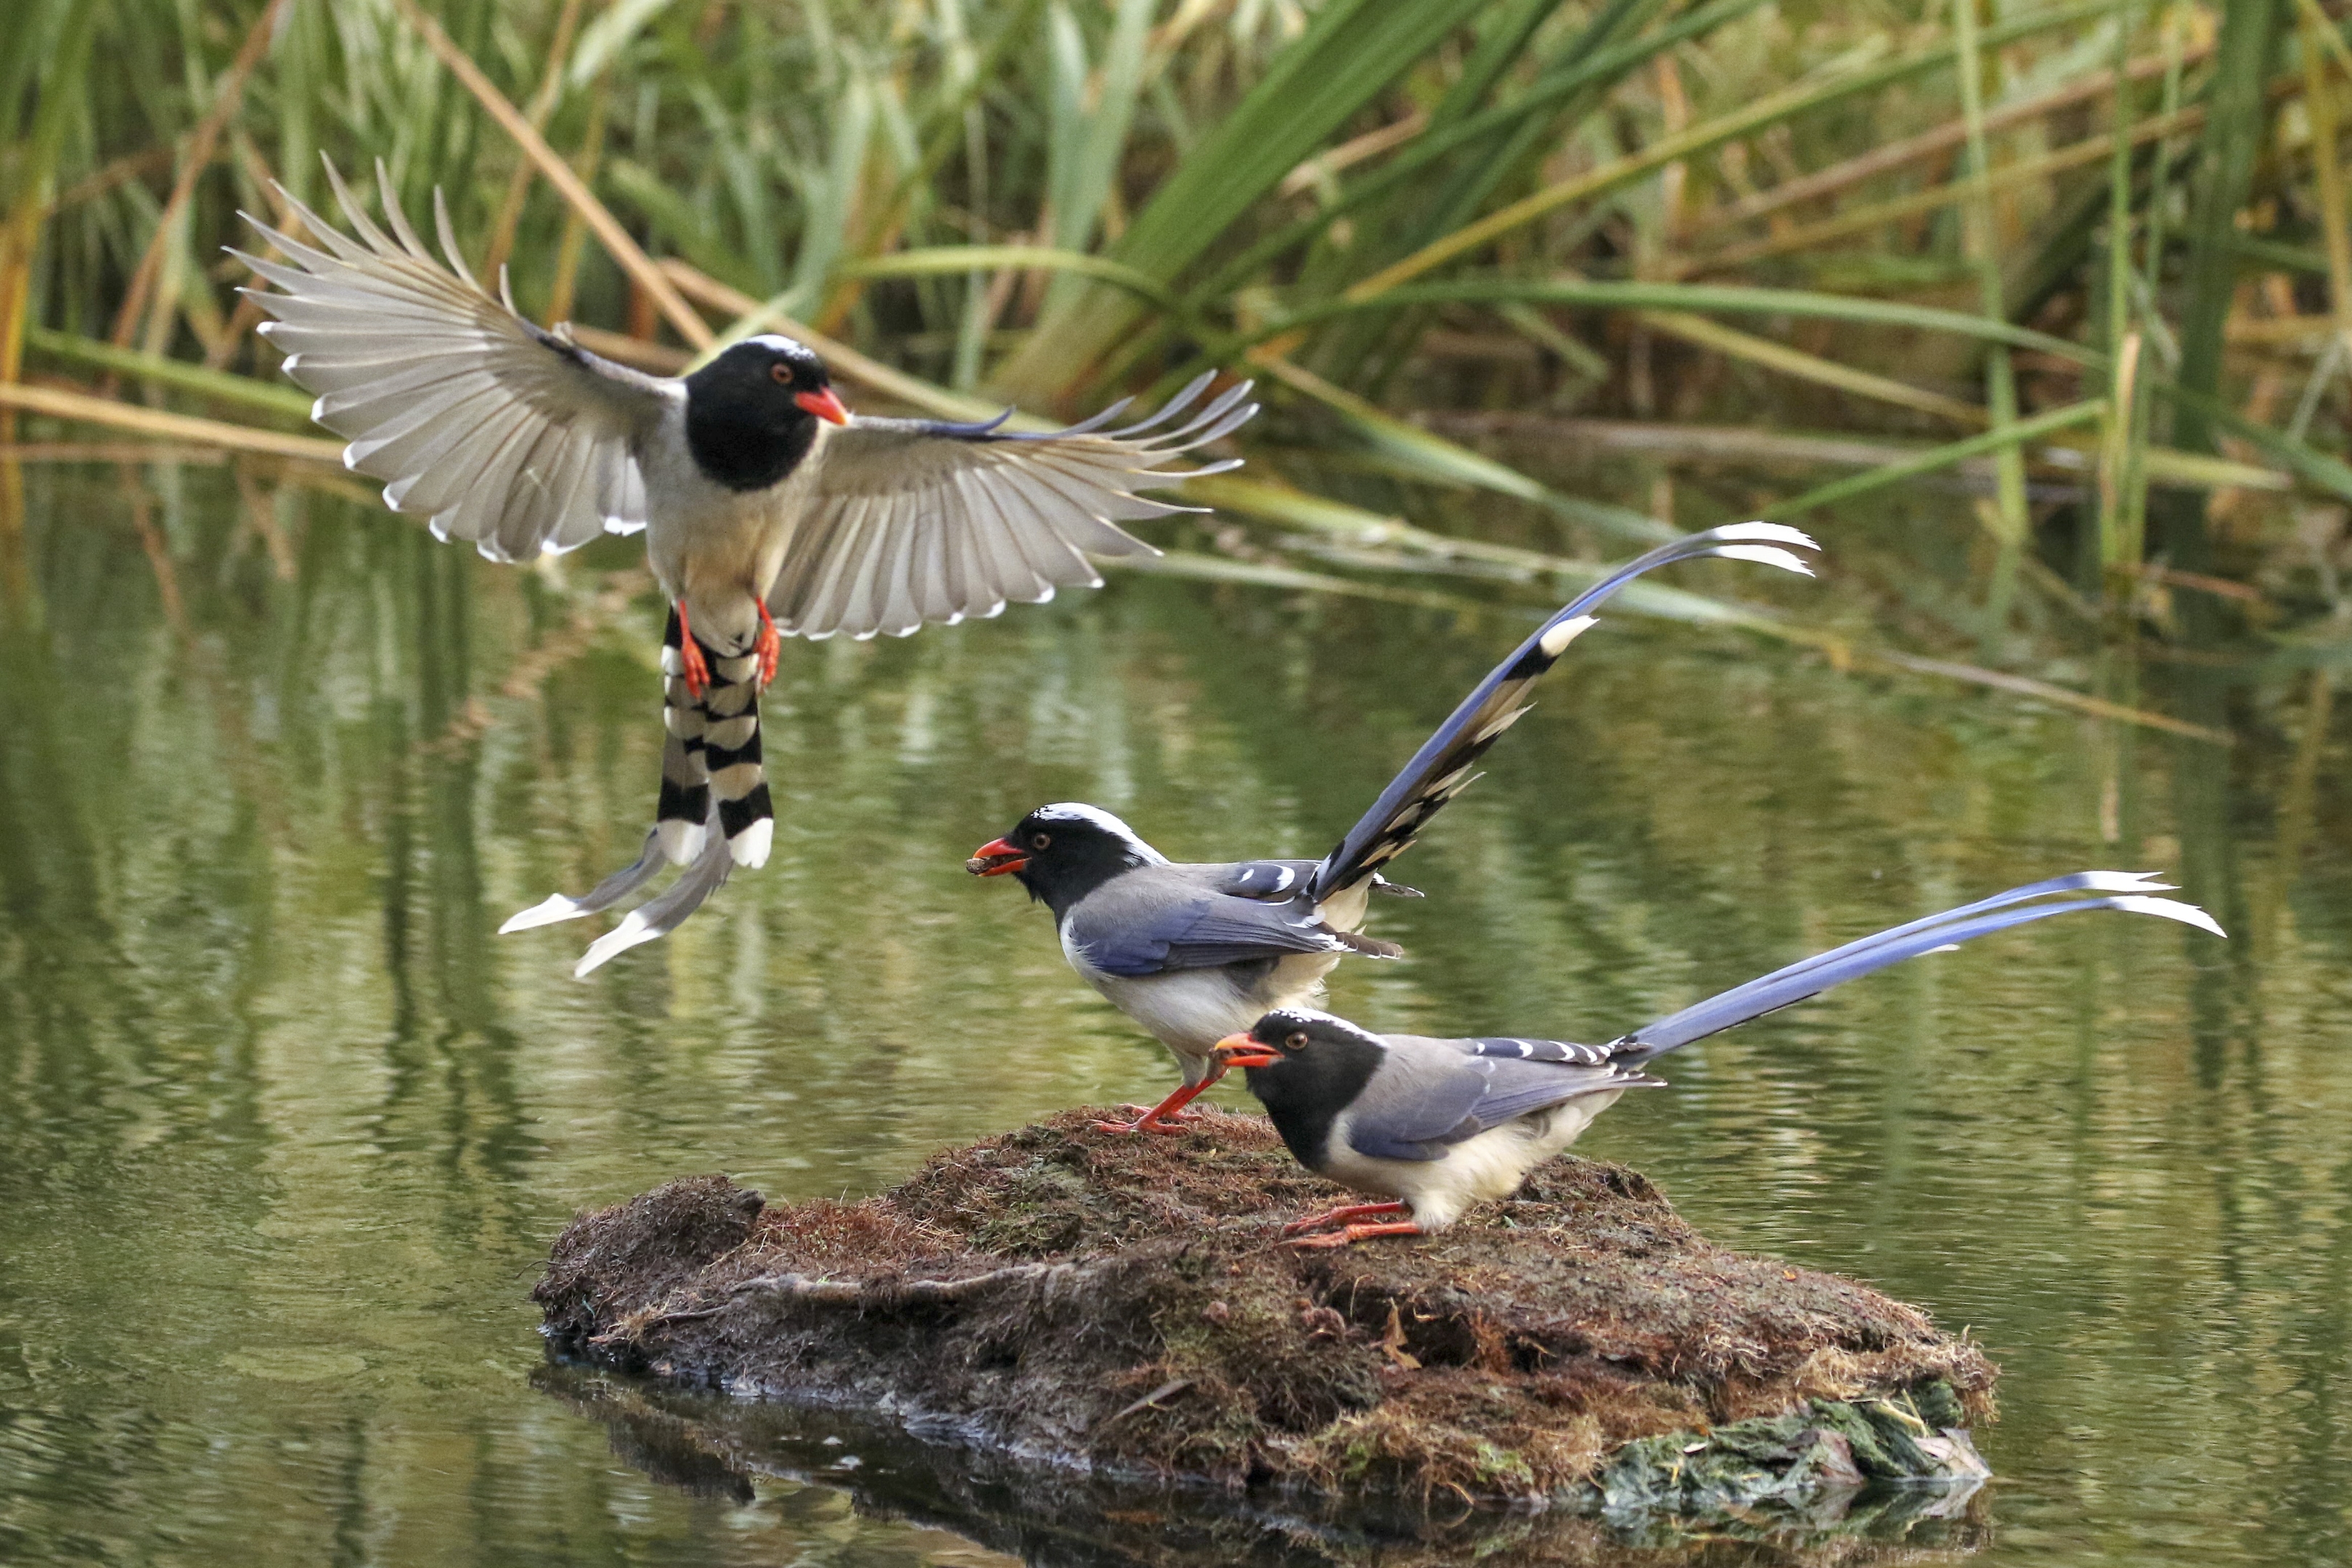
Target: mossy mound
1119, 1305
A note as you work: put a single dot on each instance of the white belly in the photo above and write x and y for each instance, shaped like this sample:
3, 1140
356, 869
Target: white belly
1345, 910
1490, 1166
718, 549
1190, 1010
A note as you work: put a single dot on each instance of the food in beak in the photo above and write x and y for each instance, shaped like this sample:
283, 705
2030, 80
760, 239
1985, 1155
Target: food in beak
1241, 1051
994, 858
824, 404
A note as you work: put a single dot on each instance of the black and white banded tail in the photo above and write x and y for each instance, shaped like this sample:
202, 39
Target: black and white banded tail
713, 813
710, 755
1440, 769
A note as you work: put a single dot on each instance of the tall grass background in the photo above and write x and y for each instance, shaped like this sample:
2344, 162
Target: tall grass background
2044, 312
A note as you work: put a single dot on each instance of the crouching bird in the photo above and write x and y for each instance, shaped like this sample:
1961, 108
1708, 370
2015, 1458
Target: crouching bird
1193, 952
1432, 1126
769, 509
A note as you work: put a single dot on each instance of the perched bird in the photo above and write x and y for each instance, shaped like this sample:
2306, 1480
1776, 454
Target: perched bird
1193, 952
768, 509
1434, 1126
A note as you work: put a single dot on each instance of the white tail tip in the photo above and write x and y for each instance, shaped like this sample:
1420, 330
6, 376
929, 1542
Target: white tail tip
553, 908
1775, 532
634, 931
749, 848
2173, 910
681, 841
2123, 881
1765, 555
1555, 641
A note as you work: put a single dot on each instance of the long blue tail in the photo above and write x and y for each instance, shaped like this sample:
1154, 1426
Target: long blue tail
2127, 890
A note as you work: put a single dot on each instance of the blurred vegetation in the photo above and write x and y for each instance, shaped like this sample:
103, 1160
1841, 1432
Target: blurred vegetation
2089, 262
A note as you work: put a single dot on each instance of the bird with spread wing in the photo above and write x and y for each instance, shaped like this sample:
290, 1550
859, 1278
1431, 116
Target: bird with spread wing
769, 509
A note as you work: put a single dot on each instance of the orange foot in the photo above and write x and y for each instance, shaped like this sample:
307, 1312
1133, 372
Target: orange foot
769, 646
1345, 1214
1172, 1127
1353, 1234
689, 658
1168, 1115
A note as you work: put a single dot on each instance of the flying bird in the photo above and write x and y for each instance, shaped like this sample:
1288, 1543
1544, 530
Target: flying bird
1193, 952
1432, 1126
769, 509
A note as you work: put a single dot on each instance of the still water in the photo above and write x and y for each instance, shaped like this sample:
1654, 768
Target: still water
286, 1128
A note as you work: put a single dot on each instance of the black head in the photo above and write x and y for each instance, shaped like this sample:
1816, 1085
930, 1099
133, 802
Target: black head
1063, 852
1305, 1068
752, 413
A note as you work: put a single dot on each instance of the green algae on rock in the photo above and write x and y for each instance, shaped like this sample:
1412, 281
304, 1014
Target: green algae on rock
1119, 1306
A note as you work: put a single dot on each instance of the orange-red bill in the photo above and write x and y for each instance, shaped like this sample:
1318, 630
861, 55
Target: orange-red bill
824, 404
1241, 1051
994, 858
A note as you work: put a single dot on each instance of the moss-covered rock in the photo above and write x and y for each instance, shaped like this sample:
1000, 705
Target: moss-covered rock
1825, 1446
1120, 1306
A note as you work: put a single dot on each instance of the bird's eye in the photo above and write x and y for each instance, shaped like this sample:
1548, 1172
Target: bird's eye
1294, 1041
781, 372
1041, 840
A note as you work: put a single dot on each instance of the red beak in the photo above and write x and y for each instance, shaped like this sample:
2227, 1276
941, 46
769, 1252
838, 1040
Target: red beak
1241, 1051
994, 858
824, 404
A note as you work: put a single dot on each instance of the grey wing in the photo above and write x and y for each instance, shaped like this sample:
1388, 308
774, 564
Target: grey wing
1263, 878
1428, 1094
1514, 1048
919, 521
1132, 937
514, 439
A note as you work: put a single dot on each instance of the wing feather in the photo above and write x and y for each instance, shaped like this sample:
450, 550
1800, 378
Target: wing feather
1004, 571
1428, 1094
935, 577
514, 439
1199, 933
976, 517
899, 607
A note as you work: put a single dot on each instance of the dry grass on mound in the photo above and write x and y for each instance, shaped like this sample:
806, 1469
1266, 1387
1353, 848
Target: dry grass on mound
1119, 1302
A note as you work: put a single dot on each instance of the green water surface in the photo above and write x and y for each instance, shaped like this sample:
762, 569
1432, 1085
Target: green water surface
286, 1128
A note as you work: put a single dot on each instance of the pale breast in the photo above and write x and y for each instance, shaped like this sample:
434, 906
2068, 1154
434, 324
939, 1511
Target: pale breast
1190, 1010
721, 549
1491, 1164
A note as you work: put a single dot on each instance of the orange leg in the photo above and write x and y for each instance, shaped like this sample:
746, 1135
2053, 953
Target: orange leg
769, 646
1345, 1213
1164, 1116
1355, 1233
690, 657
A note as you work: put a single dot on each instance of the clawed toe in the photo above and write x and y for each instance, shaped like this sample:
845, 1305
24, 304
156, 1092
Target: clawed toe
1165, 1127
769, 646
1346, 1214
1352, 1233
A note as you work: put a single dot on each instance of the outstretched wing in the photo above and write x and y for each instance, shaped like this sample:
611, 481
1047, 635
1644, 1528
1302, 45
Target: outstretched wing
516, 440
1440, 769
918, 520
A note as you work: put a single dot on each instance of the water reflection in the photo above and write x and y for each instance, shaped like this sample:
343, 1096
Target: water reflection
287, 1128
713, 1446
